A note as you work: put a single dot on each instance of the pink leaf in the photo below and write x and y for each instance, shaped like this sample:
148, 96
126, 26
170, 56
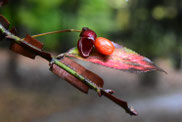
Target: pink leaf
122, 59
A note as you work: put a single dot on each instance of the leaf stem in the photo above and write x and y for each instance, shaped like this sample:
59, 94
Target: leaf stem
54, 32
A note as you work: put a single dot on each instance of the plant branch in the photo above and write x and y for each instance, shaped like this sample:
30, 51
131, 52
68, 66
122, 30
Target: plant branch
23, 43
78, 76
48, 57
9, 34
53, 60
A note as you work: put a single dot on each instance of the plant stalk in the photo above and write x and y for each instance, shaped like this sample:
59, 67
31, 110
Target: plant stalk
54, 60
78, 76
54, 32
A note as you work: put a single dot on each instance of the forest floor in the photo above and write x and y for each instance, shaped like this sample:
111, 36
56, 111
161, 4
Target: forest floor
30, 92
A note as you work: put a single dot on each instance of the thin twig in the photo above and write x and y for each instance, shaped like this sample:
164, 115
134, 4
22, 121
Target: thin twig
54, 32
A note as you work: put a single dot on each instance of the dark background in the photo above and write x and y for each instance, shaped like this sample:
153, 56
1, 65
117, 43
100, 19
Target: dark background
30, 92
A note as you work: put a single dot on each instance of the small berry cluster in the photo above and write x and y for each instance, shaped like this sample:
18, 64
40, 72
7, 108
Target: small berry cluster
88, 40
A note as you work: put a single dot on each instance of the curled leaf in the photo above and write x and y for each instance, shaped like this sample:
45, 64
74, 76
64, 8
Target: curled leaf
80, 70
122, 58
23, 50
30, 47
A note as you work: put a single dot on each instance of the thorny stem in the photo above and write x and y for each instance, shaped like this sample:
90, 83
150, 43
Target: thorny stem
54, 32
54, 60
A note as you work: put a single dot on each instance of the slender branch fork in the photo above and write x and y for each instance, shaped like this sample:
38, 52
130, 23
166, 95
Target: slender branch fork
53, 60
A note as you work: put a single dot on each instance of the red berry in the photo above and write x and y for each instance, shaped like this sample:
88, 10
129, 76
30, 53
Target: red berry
104, 46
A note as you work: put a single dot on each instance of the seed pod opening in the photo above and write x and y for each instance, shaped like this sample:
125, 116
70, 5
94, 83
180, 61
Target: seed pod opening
86, 42
85, 46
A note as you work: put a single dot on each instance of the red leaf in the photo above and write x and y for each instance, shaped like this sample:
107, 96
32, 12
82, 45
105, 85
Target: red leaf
122, 59
23, 50
30, 48
79, 69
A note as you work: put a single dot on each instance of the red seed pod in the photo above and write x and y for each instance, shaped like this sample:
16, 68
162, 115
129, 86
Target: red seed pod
85, 46
88, 33
104, 46
86, 42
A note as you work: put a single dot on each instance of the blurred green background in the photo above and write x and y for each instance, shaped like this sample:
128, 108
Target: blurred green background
143, 25
29, 92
